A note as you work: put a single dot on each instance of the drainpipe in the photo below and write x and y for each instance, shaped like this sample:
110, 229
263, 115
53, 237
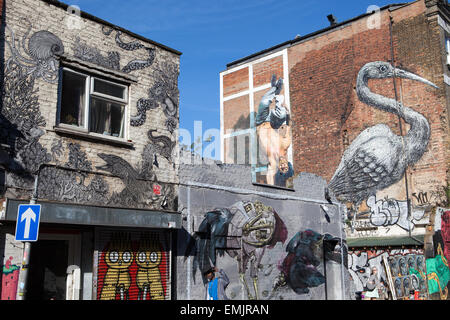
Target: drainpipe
23, 275
408, 201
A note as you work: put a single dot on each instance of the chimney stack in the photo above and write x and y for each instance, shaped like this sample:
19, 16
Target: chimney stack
332, 20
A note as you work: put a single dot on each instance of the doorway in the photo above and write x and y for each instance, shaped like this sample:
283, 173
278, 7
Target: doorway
50, 260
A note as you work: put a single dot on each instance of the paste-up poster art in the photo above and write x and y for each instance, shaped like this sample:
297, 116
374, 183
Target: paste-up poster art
273, 139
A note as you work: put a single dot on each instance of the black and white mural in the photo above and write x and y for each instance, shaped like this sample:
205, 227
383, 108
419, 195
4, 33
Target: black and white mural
378, 158
65, 172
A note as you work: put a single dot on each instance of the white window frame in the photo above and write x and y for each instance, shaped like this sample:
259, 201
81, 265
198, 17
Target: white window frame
89, 89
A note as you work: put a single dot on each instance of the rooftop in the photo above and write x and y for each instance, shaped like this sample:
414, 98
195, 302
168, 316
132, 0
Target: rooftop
106, 23
297, 39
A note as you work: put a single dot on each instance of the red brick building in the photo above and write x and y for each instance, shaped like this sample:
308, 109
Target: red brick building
368, 111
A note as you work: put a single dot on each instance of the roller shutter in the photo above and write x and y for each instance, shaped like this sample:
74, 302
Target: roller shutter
133, 265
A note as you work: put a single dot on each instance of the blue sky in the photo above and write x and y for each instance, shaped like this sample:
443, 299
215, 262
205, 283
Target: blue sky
212, 33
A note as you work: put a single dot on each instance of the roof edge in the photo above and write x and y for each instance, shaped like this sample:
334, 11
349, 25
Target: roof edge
312, 34
109, 24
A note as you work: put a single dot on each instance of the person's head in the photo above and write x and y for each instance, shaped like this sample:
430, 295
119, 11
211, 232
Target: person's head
283, 165
374, 270
209, 274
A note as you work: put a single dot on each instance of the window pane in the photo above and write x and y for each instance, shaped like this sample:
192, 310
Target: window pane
106, 117
73, 99
109, 89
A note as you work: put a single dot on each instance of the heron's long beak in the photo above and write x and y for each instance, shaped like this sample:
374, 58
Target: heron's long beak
408, 75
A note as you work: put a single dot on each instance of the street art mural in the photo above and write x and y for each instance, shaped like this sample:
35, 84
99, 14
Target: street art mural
407, 269
133, 269
36, 57
378, 158
10, 280
244, 231
299, 269
437, 267
389, 212
274, 138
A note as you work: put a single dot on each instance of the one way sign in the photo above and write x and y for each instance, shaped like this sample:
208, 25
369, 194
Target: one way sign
27, 225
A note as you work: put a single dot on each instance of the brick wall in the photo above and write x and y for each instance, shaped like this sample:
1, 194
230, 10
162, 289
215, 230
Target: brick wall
327, 113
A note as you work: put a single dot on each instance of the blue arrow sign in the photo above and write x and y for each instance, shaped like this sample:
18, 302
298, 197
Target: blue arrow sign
27, 224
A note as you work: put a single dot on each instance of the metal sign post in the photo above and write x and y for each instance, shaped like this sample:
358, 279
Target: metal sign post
27, 226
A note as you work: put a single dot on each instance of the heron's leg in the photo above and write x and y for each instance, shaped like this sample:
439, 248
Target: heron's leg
242, 276
255, 287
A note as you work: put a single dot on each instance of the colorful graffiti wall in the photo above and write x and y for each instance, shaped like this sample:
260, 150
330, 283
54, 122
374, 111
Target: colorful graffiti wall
407, 270
134, 268
269, 249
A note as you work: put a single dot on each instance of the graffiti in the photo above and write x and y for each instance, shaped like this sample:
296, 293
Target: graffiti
43, 50
138, 191
389, 212
378, 158
21, 109
91, 54
10, 279
438, 274
148, 278
163, 93
20, 105
162, 145
422, 197
364, 228
64, 185
244, 232
275, 138
118, 259
133, 269
407, 268
436, 196
299, 269
439, 265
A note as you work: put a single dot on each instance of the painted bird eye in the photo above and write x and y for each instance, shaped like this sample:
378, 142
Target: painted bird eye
383, 68
126, 257
153, 257
142, 257
114, 256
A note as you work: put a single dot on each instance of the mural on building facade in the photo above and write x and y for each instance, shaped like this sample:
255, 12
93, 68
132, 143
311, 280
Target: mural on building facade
407, 267
91, 54
273, 129
132, 269
389, 212
244, 231
10, 280
438, 270
378, 158
36, 57
163, 93
299, 269
247, 231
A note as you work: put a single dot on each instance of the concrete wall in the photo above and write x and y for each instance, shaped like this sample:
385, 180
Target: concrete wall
207, 187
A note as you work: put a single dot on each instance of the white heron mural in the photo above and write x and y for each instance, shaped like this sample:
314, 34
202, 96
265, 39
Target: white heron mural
378, 158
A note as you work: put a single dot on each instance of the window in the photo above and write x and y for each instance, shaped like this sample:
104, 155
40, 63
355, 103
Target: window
93, 105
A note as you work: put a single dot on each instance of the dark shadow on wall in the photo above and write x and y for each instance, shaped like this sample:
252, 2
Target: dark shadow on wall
185, 244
